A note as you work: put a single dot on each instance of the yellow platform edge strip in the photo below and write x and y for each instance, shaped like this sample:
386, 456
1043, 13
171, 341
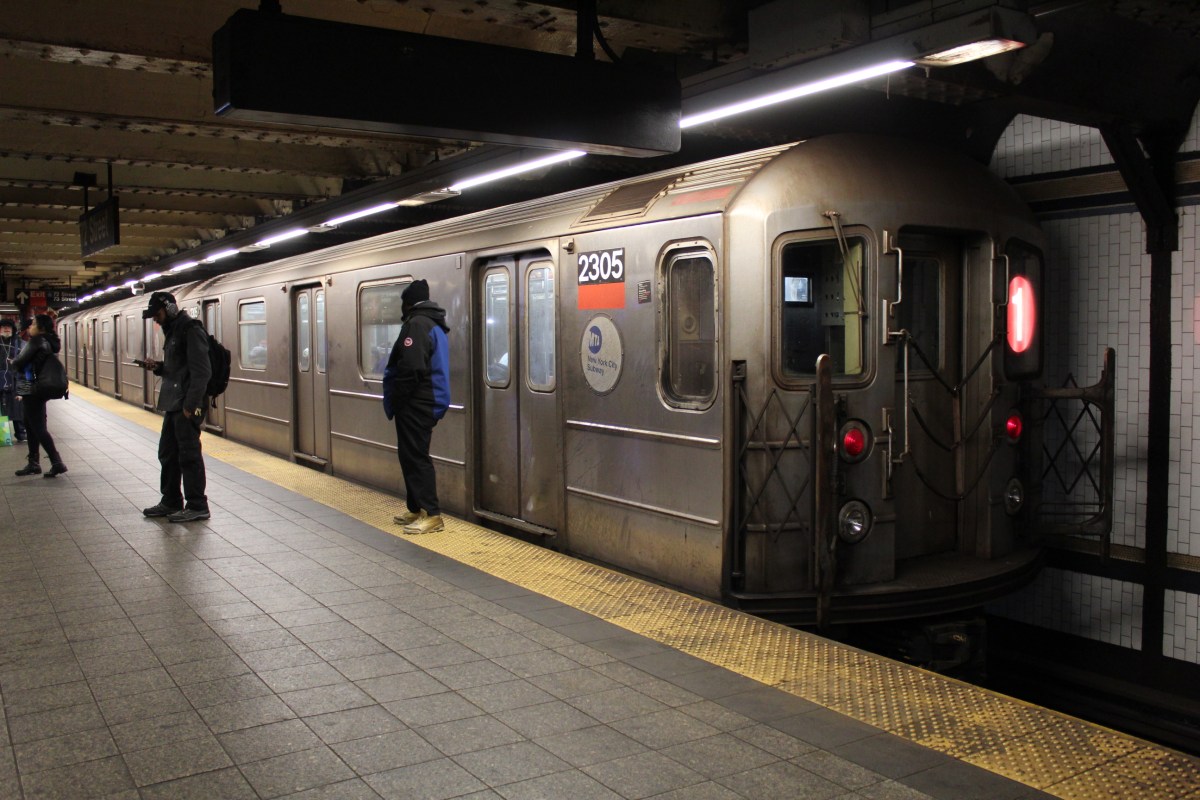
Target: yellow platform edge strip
1055, 753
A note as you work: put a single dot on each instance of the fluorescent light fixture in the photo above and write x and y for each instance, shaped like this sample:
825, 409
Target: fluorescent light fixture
802, 90
183, 266
366, 212
516, 169
151, 276
211, 257
427, 197
280, 237
969, 52
128, 284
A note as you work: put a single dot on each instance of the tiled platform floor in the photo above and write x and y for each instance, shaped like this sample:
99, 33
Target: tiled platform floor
283, 649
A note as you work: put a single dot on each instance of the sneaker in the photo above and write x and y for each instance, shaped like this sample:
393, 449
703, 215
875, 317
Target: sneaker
425, 525
55, 470
160, 510
189, 515
31, 468
409, 517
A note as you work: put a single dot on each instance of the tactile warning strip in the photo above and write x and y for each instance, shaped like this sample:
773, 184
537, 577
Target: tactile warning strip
1057, 754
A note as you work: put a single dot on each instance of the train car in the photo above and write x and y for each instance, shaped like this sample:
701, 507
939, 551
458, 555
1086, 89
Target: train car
790, 380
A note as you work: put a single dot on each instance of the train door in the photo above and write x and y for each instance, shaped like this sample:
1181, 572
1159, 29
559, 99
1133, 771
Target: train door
926, 487
151, 349
520, 456
212, 324
113, 348
310, 381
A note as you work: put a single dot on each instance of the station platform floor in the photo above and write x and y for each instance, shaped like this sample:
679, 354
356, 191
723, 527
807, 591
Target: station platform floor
295, 646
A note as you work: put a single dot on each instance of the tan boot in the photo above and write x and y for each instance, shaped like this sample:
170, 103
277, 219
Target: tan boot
409, 517
425, 525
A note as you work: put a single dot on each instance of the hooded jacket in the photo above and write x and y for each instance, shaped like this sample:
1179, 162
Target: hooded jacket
185, 368
418, 370
35, 353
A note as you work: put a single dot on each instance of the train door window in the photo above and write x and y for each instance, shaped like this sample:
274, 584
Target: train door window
319, 343
303, 333
540, 349
106, 337
821, 306
920, 311
1023, 342
380, 317
496, 330
133, 347
690, 316
252, 334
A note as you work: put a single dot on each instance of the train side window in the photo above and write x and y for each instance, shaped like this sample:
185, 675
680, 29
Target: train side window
1023, 320
691, 329
821, 306
379, 321
252, 334
921, 311
496, 332
303, 335
540, 350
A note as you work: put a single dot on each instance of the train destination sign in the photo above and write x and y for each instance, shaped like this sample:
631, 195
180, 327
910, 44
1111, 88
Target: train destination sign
601, 354
602, 279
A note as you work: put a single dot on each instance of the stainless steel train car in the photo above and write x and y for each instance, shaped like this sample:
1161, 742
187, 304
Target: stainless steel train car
789, 380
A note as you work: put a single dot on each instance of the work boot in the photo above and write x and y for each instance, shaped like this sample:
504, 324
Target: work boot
409, 517
425, 524
55, 470
160, 510
189, 515
32, 468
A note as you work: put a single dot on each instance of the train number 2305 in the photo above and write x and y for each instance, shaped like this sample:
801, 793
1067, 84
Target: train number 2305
602, 266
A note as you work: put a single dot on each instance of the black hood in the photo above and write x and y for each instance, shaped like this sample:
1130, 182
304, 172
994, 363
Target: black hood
428, 308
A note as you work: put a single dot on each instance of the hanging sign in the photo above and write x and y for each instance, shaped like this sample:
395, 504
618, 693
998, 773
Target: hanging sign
99, 228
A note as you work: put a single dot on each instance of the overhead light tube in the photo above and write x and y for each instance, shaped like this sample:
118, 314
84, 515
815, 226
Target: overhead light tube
217, 256
280, 237
516, 169
365, 212
183, 266
794, 92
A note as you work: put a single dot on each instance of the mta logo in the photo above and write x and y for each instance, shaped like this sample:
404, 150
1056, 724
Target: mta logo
595, 340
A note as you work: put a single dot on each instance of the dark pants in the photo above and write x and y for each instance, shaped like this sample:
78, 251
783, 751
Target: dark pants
179, 454
35, 428
9, 407
414, 430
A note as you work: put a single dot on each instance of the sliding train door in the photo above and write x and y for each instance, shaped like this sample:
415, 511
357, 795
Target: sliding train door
310, 379
519, 473
212, 323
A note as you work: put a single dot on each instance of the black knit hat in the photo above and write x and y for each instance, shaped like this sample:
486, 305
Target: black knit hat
8, 323
416, 292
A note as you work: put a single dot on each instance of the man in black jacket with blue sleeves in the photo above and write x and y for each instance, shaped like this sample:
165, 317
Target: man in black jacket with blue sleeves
185, 370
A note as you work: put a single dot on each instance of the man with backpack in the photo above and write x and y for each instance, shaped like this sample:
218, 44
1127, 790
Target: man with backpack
185, 371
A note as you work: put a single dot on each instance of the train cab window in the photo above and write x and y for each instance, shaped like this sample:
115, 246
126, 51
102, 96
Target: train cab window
319, 345
1023, 341
252, 334
303, 334
690, 306
920, 312
540, 348
496, 330
380, 317
821, 306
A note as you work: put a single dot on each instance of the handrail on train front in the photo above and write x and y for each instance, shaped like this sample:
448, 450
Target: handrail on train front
824, 492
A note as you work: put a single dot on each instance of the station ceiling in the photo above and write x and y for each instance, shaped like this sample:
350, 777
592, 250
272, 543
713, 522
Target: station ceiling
125, 86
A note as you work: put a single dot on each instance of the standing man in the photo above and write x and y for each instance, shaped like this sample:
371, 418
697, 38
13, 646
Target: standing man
185, 370
416, 393
10, 348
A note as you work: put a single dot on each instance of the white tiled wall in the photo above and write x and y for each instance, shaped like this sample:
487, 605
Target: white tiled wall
1097, 283
1084, 605
1182, 626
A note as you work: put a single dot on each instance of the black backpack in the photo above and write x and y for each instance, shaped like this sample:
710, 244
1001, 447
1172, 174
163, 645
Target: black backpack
219, 359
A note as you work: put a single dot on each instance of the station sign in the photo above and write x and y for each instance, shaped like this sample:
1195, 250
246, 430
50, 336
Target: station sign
99, 228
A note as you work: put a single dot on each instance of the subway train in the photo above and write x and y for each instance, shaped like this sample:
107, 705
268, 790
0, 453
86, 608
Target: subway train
789, 380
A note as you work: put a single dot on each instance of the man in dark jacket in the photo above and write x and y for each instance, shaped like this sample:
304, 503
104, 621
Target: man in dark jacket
416, 393
185, 370
10, 348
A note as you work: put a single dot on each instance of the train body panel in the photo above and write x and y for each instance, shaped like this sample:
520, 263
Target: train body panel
634, 373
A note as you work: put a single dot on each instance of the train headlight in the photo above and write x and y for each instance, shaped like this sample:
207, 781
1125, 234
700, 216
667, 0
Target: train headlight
1014, 496
854, 521
1013, 426
854, 441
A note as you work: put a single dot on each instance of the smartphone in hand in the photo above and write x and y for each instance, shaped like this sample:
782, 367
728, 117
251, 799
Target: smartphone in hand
140, 362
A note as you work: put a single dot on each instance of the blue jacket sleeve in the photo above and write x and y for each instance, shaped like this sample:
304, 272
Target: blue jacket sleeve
389, 376
440, 367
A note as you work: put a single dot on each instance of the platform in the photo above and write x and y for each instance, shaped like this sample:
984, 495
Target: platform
294, 645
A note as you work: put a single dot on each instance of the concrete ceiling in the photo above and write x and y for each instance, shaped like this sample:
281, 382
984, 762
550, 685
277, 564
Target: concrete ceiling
126, 85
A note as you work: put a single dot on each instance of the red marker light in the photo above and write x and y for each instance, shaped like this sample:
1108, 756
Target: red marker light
1013, 427
854, 441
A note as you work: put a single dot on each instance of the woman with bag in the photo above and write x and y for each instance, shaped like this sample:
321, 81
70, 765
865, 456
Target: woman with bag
42, 345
